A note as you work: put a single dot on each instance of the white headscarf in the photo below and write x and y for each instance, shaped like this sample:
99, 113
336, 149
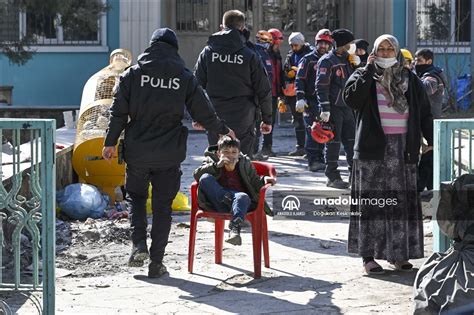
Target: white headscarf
395, 78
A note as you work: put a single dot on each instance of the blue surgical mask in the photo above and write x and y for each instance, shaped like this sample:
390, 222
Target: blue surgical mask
264, 45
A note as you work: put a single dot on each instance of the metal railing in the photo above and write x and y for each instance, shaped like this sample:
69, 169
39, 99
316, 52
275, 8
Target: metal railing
27, 207
453, 156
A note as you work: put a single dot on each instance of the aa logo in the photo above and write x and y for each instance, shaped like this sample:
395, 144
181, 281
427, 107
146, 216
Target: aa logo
290, 203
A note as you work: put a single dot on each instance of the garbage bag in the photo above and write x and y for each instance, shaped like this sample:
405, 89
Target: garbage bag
180, 202
81, 201
455, 213
445, 282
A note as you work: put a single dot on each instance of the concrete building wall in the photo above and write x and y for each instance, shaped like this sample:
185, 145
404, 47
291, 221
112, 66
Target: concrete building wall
57, 78
138, 20
371, 18
367, 18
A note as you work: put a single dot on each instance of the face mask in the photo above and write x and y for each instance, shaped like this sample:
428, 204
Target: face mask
352, 49
385, 62
264, 45
420, 69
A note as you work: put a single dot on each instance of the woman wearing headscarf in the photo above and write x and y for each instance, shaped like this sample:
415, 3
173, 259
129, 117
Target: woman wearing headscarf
392, 113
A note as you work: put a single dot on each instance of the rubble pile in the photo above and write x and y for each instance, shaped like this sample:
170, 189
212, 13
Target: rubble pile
98, 246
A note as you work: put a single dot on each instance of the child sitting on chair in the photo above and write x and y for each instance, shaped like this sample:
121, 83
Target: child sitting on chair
228, 182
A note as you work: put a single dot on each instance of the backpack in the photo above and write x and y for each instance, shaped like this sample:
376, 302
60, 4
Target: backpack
441, 78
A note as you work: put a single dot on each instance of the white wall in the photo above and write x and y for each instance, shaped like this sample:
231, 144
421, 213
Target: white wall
138, 20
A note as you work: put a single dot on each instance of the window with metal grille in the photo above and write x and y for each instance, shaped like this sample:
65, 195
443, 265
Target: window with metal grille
443, 21
9, 20
192, 15
242, 5
280, 14
322, 14
45, 28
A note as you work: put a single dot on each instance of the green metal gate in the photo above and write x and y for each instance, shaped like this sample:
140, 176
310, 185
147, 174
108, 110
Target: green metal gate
27, 204
453, 156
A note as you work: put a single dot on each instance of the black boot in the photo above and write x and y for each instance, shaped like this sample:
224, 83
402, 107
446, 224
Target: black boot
156, 269
299, 151
266, 150
139, 255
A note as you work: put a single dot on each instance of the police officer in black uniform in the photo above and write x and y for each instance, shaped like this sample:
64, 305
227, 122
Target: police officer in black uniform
235, 80
149, 103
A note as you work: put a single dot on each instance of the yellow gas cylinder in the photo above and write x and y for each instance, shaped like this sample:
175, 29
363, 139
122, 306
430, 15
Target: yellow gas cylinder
92, 124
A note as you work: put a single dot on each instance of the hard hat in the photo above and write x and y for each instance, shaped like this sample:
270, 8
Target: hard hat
325, 35
322, 132
276, 35
407, 54
263, 36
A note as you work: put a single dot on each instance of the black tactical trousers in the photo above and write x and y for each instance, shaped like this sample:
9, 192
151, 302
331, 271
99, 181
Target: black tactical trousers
165, 185
268, 138
314, 150
343, 120
298, 121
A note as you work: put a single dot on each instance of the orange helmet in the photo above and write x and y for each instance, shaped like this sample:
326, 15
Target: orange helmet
325, 35
263, 36
322, 132
276, 35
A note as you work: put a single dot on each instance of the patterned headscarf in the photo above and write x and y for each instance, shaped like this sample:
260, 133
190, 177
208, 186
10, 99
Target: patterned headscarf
395, 78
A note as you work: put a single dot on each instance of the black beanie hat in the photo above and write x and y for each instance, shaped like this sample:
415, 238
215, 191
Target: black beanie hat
164, 35
342, 37
362, 43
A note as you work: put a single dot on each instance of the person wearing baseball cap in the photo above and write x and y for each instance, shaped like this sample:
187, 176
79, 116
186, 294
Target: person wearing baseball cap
333, 71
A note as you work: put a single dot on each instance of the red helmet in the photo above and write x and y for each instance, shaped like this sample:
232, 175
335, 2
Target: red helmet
276, 35
324, 34
322, 132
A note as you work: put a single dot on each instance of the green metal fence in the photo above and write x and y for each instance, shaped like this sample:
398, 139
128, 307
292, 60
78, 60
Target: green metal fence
27, 206
453, 156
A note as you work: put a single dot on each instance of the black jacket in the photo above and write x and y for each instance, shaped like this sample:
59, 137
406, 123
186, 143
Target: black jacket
332, 74
154, 94
360, 95
234, 78
262, 52
306, 76
435, 88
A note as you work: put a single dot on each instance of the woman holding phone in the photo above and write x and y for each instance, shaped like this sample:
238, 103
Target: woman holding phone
392, 113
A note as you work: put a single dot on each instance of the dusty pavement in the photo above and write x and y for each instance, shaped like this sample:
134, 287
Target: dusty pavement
311, 272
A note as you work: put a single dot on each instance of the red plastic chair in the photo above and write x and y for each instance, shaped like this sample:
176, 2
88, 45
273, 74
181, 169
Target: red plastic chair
256, 217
